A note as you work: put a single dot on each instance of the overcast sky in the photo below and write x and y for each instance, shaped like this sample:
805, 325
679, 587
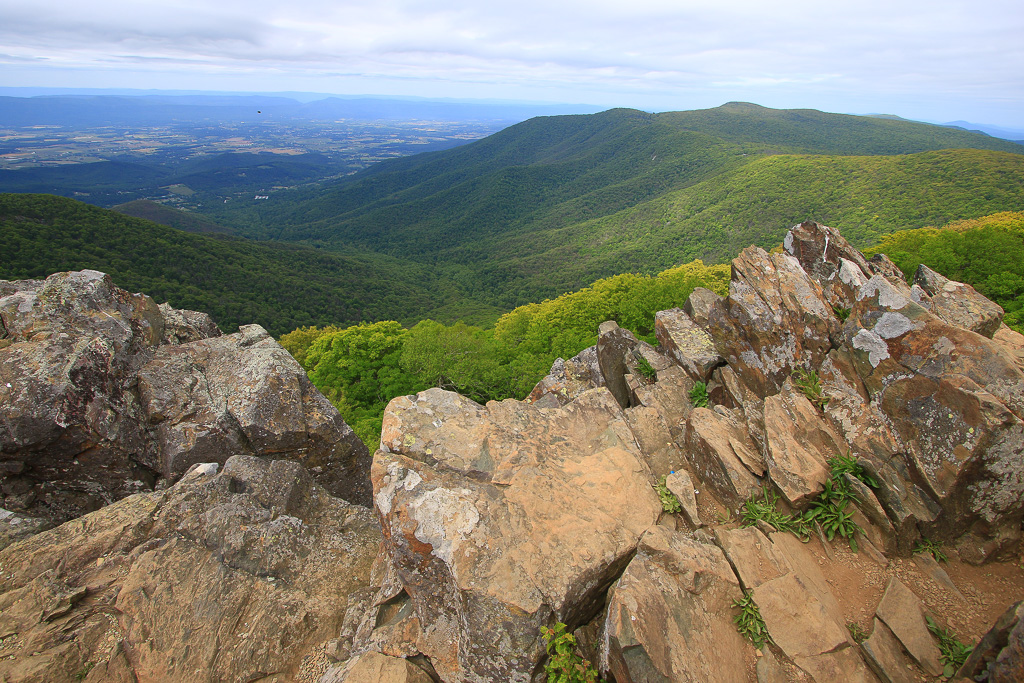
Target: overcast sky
935, 60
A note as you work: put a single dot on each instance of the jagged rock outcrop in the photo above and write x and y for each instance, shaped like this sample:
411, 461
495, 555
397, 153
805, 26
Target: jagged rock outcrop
497, 520
999, 657
670, 614
233, 576
103, 393
500, 519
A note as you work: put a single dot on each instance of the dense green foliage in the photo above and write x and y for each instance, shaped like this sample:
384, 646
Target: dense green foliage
361, 368
279, 286
552, 203
987, 253
565, 665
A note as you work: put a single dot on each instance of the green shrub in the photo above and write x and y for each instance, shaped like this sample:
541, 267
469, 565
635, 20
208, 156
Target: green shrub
645, 367
809, 384
934, 548
953, 652
565, 665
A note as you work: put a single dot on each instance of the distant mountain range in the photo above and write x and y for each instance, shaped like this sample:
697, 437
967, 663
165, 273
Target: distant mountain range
995, 131
161, 109
552, 203
549, 205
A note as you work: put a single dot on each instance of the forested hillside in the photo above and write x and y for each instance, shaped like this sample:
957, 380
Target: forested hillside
553, 203
279, 286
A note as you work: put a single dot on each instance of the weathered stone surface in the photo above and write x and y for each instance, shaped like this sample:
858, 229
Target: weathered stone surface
884, 655
958, 304
244, 394
222, 577
502, 517
1012, 342
373, 667
681, 486
686, 343
182, 327
953, 401
794, 600
775, 319
670, 614
14, 527
569, 378
699, 304
658, 418
828, 258
799, 445
69, 423
999, 656
722, 455
615, 345
903, 613
104, 393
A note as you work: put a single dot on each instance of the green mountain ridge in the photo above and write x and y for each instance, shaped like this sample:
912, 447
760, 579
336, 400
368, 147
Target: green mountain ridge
280, 286
553, 203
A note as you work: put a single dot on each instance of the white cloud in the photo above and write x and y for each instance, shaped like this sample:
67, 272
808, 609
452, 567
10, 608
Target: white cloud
640, 52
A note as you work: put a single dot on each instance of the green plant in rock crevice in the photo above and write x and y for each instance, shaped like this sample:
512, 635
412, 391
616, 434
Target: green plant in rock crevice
951, 650
829, 508
749, 622
669, 502
645, 368
934, 548
809, 384
699, 395
565, 665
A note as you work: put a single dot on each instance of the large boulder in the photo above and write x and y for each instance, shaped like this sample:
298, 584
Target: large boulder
244, 394
670, 615
236, 576
105, 394
953, 400
775, 319
958, 304
501, 519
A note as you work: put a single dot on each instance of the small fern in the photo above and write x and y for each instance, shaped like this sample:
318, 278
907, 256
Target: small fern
809, 384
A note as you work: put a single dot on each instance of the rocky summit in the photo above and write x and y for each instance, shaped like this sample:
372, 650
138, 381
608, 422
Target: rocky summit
818, 477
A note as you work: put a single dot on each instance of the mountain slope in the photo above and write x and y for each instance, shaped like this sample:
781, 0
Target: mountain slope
279, 286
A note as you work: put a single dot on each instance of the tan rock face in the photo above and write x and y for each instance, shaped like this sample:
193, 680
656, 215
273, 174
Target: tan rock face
958, 304
244, 394
795, 601
953, 402
231, 576
686, 343
800, 443
723, 456
670, 614
903, 613
775, 319
500, 518
373, 667
104, 393
569, 378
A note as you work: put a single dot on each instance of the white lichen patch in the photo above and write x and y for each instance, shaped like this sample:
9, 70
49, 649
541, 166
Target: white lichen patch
444, 518
787, 242
892, 325
396, 478
874, 345
888, 295
851, 274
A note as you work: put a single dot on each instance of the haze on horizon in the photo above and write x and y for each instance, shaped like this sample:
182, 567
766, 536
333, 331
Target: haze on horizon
940, 60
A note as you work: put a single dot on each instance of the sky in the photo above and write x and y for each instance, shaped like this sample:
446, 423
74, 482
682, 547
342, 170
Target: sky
938, 60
